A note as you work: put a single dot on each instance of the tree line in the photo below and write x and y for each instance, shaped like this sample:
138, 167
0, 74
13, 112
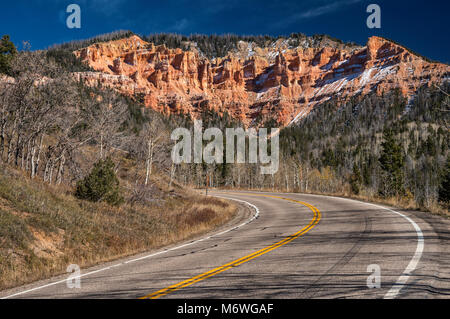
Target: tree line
382, 146
211, 46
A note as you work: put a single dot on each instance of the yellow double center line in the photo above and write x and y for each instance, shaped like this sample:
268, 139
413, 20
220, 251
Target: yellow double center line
245, 259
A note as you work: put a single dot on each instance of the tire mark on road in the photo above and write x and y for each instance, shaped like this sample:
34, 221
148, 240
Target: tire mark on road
315, 288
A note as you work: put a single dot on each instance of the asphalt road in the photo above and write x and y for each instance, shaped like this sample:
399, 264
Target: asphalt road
284, 246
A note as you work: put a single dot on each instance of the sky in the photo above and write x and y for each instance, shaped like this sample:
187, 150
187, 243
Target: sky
419, 25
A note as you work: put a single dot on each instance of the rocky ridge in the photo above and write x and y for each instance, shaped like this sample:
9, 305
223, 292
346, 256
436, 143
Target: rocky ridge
255, 84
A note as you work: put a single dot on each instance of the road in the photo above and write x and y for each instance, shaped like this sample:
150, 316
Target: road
283, 246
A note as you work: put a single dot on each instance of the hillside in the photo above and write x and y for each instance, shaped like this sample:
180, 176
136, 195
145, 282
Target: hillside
45, 228
60, 203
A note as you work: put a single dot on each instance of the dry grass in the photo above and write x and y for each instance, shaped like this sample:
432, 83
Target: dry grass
407, 202
44, 229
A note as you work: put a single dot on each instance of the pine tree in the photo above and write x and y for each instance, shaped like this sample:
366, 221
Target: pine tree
7, 52
444, 189
391, 161
355, 180
101, 184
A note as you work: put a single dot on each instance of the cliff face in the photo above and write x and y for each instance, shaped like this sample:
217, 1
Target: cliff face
255, 84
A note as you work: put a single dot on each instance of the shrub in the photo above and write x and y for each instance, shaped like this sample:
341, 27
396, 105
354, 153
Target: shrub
101, 184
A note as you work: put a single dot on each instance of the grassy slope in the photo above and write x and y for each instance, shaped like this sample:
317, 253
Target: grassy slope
43, 230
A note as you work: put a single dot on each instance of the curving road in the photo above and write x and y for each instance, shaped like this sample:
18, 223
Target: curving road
283, 246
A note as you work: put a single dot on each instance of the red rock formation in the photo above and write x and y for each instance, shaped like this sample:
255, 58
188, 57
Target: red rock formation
255, 84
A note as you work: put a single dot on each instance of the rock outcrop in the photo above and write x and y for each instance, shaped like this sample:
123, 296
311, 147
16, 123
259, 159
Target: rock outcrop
4, 79
255, 84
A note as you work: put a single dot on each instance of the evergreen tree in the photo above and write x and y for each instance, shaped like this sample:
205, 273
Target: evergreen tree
101, 184
444, 189
391, 161
355, 180
7, 52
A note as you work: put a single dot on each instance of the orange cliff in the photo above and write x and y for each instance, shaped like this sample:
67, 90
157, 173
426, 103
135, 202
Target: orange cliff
255, 84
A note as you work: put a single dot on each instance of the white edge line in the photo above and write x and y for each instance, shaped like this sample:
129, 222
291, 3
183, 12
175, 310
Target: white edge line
255, 216
401, 281
412, 265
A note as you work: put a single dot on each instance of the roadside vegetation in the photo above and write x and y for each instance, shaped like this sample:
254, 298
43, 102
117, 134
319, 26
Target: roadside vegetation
85, 173
44, 228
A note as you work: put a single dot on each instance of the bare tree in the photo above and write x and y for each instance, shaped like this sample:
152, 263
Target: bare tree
154, 138
105, 116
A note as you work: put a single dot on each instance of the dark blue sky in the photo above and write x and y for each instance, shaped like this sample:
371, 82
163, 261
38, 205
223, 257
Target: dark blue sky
419, 25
